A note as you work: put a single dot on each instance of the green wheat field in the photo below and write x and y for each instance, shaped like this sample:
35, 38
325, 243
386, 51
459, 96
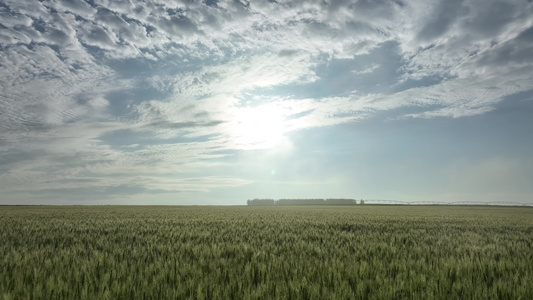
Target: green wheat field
242, 252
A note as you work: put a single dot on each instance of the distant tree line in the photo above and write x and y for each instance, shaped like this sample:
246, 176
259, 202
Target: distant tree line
269, 202
262, 202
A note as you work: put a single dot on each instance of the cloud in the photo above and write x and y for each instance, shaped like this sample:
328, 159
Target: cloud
79, 8
172, 77
440, 19
466, 36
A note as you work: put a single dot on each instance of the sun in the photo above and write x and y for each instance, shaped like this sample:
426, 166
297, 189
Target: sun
259, 127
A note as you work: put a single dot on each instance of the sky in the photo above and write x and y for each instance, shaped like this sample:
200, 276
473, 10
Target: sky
216, 102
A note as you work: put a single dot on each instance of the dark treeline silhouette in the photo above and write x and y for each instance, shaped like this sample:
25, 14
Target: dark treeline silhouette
261, 202
303, 202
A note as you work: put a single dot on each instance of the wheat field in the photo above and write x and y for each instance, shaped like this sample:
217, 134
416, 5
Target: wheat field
240, 252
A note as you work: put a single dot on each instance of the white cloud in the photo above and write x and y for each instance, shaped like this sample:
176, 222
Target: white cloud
79, 8
61, 60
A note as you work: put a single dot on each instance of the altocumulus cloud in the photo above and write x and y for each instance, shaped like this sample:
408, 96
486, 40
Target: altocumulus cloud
127, 97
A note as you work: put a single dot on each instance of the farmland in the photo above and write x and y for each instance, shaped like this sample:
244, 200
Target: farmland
292, 252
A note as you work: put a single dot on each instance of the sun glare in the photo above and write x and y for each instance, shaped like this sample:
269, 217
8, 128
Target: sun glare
259, 127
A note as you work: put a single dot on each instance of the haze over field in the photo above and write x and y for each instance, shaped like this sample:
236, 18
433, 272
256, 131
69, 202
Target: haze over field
216, 102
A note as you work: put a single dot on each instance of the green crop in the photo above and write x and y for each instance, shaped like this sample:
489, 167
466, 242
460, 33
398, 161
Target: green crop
300, 252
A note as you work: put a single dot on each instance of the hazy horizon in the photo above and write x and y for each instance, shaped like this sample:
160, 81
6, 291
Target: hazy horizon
216, 102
